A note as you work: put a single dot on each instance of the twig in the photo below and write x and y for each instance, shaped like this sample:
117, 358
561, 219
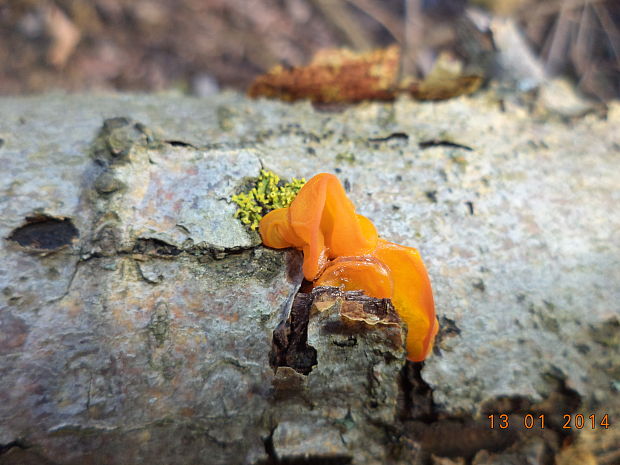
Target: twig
555, 7
610, 29
390, 22
557, 43
582, 45
336, 13
412, 38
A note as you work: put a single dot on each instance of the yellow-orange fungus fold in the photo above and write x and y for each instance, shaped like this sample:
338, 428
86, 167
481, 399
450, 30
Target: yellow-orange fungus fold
413, 296
276, 231
354, 273
342, 249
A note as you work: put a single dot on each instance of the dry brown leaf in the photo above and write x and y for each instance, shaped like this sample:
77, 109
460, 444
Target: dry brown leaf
446, 80
443, 89
342, 76
371, 313
334, 76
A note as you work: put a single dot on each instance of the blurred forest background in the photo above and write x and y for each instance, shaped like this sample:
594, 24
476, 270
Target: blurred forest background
201, 46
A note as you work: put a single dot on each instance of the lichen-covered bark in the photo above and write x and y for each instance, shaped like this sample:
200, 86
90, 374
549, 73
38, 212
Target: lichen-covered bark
137, 315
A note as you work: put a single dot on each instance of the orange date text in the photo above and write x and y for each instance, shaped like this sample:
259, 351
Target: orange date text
531, 420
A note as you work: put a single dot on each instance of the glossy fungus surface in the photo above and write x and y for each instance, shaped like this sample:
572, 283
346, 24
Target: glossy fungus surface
343, 249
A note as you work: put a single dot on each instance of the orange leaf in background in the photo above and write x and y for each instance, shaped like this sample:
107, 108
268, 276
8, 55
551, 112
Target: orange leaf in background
342, 76
334, 75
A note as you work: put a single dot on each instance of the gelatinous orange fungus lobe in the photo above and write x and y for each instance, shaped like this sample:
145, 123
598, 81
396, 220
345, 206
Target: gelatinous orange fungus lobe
364, 273
413, 296
324, 218
342, 249
275, 230
346, 233
368, 231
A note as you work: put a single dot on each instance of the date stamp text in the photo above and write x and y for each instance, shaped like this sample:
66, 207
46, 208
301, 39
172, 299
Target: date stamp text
530, 421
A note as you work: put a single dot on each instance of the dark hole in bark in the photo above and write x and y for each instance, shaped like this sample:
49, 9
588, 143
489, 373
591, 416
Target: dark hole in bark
431, 195
155, 247
351, 341
178, 143
289, 346
272, 459
394, 135
470, 207
442, 143
43, 232
479, 284
448, 329
13, 444
417, 401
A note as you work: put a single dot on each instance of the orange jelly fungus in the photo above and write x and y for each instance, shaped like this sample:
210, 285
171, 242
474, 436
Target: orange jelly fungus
342, 249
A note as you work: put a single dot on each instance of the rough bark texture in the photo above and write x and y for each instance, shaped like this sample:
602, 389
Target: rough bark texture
137, 315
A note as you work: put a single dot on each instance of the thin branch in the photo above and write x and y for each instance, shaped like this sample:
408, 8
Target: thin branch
390, 22
610, 29
336, 13
557, 44
582, 45
412, 43
555, 7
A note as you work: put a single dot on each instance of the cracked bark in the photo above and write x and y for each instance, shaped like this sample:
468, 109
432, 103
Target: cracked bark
161, 315
147, 337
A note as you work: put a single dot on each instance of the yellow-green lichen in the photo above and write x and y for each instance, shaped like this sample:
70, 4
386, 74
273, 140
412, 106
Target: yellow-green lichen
267, 194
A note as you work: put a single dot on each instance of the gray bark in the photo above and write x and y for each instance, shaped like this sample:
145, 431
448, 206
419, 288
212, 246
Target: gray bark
137, 315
